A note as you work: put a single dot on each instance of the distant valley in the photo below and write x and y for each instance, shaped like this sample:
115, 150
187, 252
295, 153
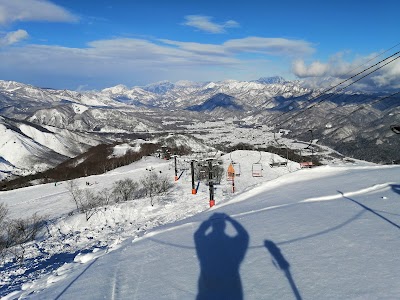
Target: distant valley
41, 127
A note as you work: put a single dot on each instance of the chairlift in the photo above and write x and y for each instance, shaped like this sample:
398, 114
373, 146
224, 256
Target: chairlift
235, 165
280, 163
306, 164
257, 168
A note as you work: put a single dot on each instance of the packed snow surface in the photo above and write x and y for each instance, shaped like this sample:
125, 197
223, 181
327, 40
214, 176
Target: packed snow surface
330, 232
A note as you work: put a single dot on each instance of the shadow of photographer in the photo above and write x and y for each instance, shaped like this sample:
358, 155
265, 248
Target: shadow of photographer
220, 256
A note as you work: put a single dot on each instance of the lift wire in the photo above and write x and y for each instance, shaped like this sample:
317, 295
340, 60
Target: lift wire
323, 92
259, 160
340, 83
360, 108
356, 110
363, 106
373, 58
340, 90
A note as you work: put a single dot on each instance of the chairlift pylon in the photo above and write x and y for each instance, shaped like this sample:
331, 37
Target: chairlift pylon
276, 139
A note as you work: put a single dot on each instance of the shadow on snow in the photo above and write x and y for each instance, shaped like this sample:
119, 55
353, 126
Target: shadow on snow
220, 256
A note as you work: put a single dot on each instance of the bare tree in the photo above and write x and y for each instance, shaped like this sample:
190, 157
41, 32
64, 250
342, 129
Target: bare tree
3, 212
15, 233
3, 240
105, 197
125, 189
75, 192
86, 201
90, 203
154, 184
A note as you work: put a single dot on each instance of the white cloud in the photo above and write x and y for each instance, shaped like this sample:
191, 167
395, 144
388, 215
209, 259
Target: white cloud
315, 69
272, 46
154, 54
108, 62
337, 69
33, 10
205, 23
120, 59
13, 37
205, 49
266, 46
389, 76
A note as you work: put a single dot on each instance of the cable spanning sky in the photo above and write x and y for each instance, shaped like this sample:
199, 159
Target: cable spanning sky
96, 44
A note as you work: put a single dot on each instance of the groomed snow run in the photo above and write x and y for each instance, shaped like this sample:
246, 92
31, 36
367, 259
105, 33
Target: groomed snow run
322, 233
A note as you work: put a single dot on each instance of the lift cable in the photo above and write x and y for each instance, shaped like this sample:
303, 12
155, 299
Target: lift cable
344, 81
373, 58
340, 90
356, 110
363, 106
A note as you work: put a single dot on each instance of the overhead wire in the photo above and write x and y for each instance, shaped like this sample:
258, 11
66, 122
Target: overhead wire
373, 58
331, 95
356, 110
350, 78
363, 107
303, 110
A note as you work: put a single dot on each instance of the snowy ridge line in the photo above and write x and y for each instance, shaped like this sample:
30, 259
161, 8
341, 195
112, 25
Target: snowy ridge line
374, 188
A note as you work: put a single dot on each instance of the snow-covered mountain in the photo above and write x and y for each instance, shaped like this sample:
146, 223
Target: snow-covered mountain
27, 148
160, 87
183, 94
219, 100
353, 123
271, 80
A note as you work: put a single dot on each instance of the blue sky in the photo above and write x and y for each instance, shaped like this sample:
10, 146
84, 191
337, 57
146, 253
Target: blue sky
87, 44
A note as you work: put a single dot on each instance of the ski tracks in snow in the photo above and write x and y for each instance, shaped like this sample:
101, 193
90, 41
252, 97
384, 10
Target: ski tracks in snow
372, 189
383, 187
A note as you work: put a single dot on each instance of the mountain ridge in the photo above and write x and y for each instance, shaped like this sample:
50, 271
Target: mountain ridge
109, 114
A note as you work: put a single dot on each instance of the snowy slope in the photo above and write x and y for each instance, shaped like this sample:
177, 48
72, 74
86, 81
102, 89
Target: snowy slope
64, 144
329, 246
26, 148
323, 233
25, 153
